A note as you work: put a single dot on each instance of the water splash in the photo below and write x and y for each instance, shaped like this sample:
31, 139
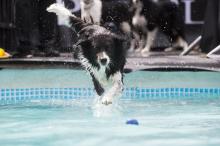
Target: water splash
101, 110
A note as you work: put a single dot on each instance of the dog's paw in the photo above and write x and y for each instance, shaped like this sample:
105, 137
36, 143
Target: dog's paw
145, 50
106, 100
138, 50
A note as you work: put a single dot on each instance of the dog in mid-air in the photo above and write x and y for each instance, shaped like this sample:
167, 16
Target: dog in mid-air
101, 53
149, 16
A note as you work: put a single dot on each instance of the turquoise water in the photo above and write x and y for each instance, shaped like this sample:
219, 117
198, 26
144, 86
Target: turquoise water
83, 122
56, 78
179, 123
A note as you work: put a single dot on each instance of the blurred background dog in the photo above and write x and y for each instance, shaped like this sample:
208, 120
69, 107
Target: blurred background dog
17, 25
150, 16
113, 15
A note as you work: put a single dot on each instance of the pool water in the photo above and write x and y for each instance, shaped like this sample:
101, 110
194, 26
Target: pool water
182, 123
84, 122
65, 78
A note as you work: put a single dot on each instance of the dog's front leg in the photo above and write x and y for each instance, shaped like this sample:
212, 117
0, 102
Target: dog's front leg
97, 86
115, 90
150, 40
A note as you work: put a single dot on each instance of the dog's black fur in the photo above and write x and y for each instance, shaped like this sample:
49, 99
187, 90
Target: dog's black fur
94, 39
165, 15
116, 12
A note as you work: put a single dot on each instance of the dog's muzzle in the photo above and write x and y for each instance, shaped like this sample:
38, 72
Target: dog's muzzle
103, 61
103, 58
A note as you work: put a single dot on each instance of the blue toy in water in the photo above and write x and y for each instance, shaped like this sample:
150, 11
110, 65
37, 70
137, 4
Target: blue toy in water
132, 122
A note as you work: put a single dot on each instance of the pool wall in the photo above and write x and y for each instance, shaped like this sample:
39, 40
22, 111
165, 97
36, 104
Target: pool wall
47, 84
13, 96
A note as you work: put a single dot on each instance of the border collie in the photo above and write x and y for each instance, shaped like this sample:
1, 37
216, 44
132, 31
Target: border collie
101, 53
149, 16
114, 15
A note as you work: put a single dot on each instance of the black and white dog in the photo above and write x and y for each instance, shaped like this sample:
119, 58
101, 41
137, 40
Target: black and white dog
149, 16
108, 13
101, 53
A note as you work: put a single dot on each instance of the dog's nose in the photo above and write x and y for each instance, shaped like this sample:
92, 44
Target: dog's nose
103, 61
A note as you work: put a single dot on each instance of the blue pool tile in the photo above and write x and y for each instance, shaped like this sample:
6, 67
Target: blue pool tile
7, 94
216, 91
211, 91
186, 90
133, 93
152, 90
201, 90
162, 90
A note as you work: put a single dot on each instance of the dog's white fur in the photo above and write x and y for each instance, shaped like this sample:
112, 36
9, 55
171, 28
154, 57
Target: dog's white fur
113, 86
91, 10
60, 10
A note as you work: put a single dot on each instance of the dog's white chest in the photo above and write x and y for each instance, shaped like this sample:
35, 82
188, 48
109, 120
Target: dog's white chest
100, 75
139, 20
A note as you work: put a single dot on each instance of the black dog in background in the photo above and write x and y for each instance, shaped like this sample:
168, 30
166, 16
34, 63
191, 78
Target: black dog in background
101, 53
149, 16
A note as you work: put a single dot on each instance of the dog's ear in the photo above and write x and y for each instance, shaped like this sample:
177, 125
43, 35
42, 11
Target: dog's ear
119, 52
120, 42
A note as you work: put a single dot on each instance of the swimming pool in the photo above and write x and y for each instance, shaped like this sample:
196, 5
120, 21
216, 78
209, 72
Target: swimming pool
53, 107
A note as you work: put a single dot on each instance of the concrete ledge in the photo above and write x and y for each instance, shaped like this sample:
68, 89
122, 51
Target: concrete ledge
160, 63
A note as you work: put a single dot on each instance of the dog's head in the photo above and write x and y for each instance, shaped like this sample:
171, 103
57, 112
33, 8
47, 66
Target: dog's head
102, 50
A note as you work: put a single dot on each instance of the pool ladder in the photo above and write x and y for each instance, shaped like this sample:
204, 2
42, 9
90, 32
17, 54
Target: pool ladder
194, 44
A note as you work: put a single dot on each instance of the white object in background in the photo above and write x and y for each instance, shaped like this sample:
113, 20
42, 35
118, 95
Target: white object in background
61, 20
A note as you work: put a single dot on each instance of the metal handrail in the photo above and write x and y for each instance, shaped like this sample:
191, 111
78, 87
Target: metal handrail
213, 51
191, 46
